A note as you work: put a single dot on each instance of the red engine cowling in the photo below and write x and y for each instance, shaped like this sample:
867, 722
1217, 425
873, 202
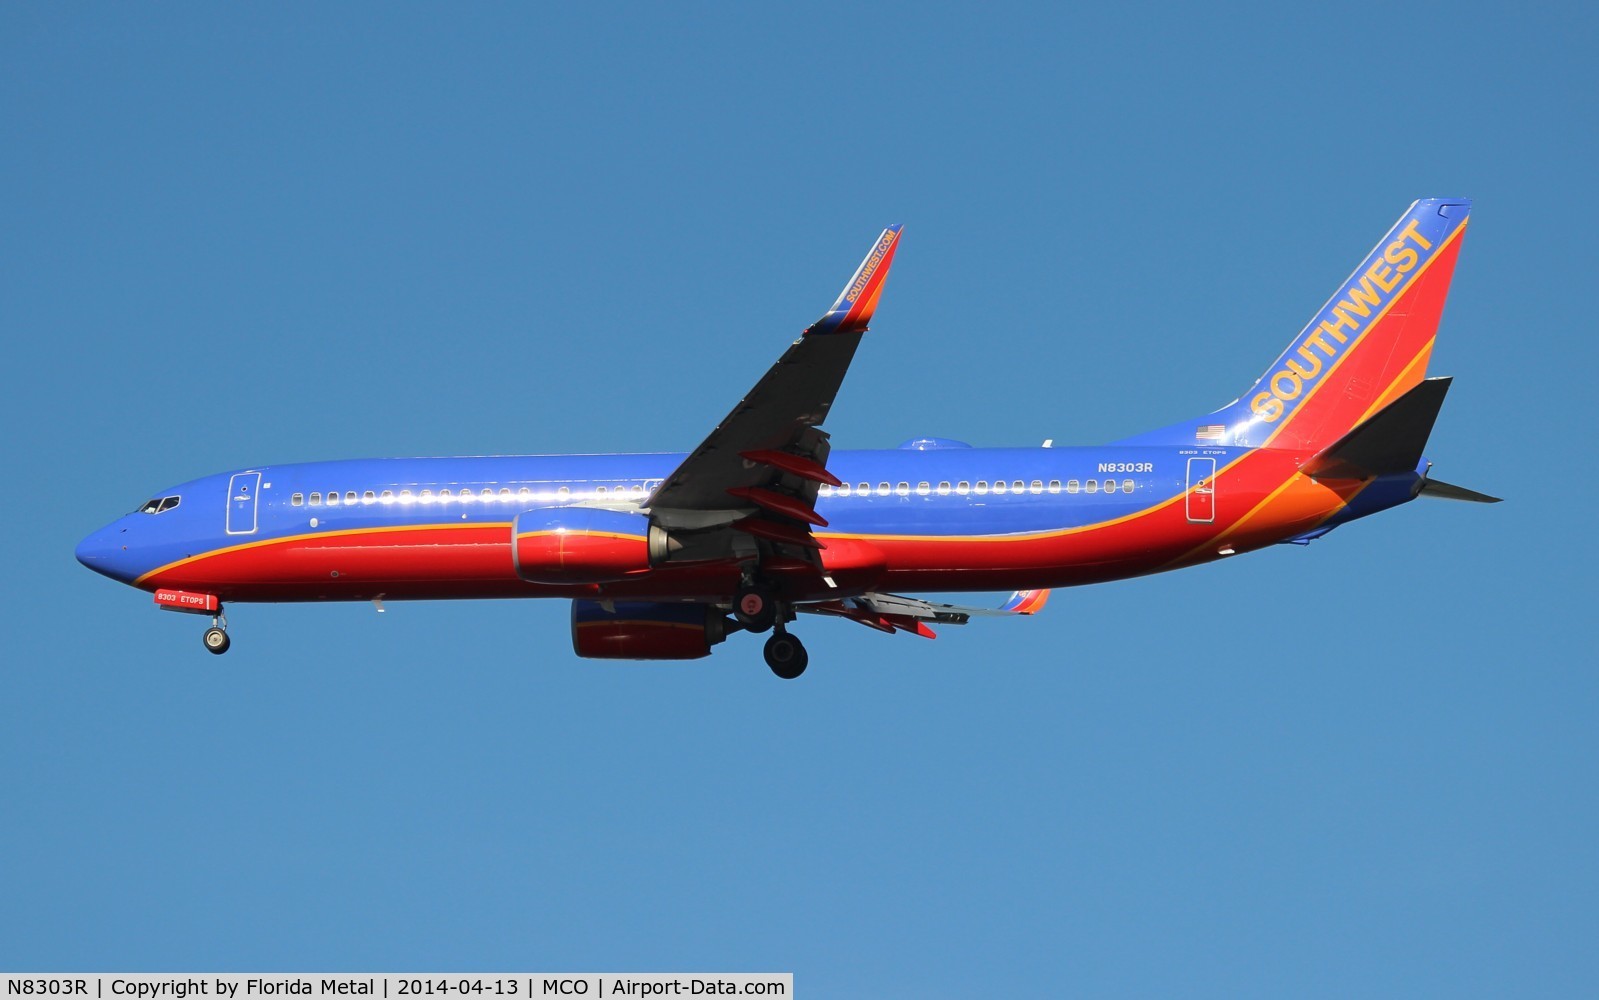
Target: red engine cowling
563, 545
645, 630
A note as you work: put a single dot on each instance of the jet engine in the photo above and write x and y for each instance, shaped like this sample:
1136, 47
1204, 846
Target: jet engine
645, 630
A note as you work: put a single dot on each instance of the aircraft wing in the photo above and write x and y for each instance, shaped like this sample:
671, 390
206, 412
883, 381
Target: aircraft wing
762, 464
892, 613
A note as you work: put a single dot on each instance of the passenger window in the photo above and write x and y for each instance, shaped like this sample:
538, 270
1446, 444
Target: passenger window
333, 498
1037, 487
601, 490
488, 494
405, 496
369, 497
316, 499
426, 496
903, 489
922, 489
963, 487
1054, 486
882, 489
1127, 485
1110, 486
943, 488
982, 487
1072, 486
297, 500
349, 497
505, 493
564, 492
387, 496
999, 487
824, 491
1092, 487
467, 497
864, 489
1018, 487
444, 495
524, 493
843, 489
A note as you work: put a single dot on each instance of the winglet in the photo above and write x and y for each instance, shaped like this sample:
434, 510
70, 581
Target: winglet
1026, 602
858, 301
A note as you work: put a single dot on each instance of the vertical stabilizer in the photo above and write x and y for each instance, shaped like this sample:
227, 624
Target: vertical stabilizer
1364, 349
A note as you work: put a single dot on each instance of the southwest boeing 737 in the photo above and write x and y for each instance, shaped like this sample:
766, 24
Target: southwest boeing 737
665, 555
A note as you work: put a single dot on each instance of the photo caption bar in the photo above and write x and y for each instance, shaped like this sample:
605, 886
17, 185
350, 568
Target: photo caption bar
393, 986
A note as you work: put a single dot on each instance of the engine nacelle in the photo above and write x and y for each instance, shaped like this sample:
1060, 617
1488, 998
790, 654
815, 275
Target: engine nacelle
645, 630
566, 545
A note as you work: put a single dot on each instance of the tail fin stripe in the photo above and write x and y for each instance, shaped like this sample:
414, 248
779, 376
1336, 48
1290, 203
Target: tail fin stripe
1395, 390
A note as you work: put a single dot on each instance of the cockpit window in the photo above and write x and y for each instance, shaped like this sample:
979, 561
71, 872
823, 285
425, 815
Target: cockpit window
159, 505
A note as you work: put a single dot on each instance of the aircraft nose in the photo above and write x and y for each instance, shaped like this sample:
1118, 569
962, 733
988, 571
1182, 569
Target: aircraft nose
106, 552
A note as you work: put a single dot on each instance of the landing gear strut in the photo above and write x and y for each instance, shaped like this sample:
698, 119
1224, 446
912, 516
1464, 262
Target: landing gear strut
755, 608
216, 637
786, 655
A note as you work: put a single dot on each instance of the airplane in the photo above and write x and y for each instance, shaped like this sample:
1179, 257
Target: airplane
664, 556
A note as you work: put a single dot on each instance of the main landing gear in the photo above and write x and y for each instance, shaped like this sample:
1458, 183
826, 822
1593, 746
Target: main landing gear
786, 655
757, 609
216, 637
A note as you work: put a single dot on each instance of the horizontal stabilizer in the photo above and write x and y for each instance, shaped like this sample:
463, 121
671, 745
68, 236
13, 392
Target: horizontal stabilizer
1390, 442
1026, 602
1448, 491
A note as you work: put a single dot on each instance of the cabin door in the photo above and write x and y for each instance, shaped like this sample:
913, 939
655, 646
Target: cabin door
1201, 490
242, 502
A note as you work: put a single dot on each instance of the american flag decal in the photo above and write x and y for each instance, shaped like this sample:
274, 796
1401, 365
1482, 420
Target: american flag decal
1210, 432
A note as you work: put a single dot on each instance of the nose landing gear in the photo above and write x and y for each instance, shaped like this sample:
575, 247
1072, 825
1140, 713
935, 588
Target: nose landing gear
216, 637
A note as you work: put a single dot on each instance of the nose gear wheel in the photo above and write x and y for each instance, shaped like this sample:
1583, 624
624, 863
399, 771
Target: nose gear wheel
216, 637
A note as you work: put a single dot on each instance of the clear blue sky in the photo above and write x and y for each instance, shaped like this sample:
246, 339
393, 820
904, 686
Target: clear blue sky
249, 234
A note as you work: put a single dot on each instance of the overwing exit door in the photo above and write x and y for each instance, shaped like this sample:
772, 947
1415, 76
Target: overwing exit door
1201, 490
242, 501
